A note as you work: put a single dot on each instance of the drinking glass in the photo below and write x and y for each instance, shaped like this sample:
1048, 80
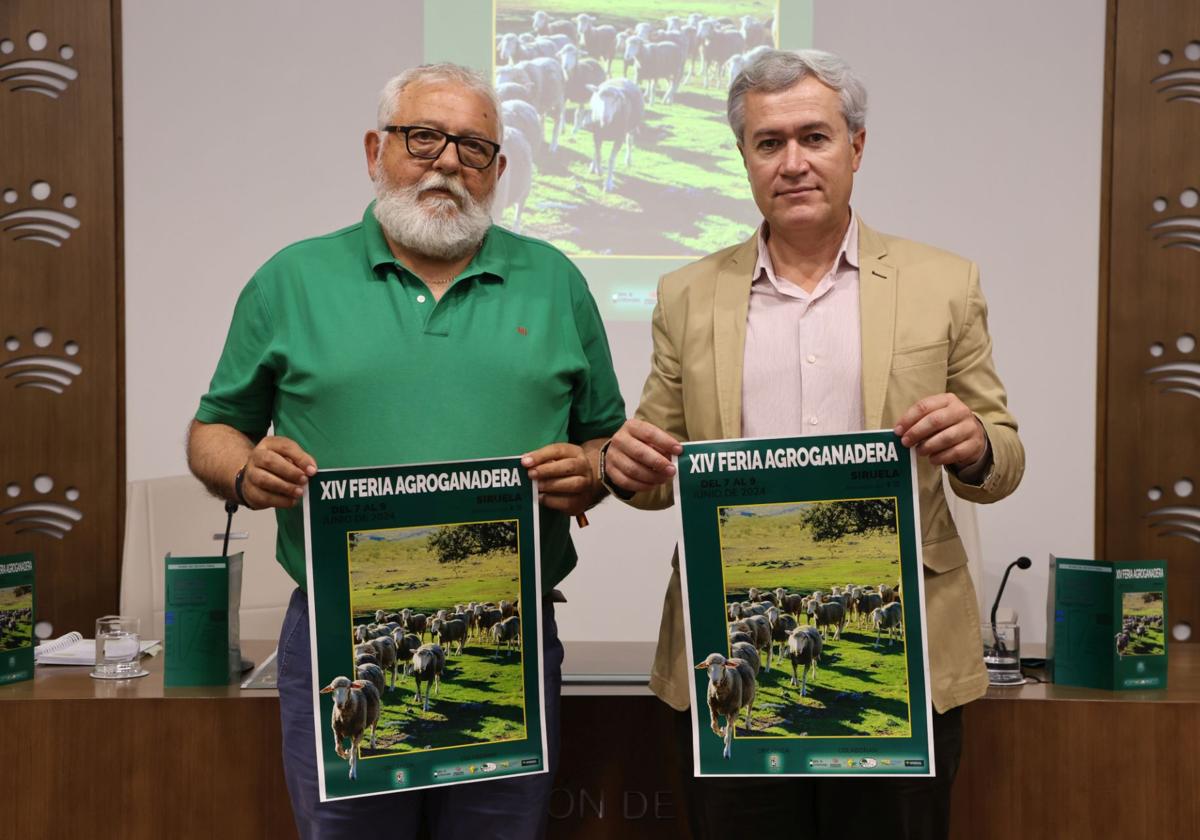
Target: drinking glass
1002, 652
117, 648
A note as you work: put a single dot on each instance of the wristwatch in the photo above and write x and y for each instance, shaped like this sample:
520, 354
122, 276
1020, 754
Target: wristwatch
620, 492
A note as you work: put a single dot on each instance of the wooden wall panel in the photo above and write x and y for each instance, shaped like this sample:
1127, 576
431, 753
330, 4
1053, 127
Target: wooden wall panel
61, 361
1148, 493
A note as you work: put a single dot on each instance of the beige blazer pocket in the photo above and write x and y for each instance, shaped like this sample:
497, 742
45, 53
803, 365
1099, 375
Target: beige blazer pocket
926, 354
944, 555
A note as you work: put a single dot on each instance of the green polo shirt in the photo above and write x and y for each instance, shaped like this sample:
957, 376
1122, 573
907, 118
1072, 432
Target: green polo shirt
340, 347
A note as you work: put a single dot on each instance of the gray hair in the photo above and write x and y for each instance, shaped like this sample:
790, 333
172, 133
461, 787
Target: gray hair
777, 70
446, 72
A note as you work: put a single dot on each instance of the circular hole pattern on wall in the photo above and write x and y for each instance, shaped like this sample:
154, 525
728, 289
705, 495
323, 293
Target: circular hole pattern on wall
1186, 343
1154, 494
1184, 488
1181, 632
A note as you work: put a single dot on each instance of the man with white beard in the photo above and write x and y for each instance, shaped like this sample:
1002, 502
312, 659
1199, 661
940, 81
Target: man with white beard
423, 333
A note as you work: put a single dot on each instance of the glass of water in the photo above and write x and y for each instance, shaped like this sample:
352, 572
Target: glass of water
118, 646
1002, 652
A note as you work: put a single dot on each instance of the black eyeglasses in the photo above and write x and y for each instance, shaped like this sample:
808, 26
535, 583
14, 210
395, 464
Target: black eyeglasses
429, 143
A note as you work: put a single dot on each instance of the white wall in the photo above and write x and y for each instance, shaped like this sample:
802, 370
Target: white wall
984, 138
243, 130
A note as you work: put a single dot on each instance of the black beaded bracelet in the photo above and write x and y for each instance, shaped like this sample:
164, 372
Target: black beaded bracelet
237, 488
620, 492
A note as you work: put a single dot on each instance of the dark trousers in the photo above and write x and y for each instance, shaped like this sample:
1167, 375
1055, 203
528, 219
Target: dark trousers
846, 809
505, 808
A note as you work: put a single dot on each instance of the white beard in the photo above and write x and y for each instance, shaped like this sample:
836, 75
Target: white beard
434, 227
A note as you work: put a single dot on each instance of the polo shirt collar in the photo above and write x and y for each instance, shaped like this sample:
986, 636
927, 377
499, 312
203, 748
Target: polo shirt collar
489, 263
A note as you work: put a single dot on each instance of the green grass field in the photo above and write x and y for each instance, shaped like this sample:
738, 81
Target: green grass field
684, 192
767, 546
480, 701
857, 690
13, 598
400, 571
1154, 642
481, 697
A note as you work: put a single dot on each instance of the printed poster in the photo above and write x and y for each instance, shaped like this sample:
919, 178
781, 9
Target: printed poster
803, 603
16, 617
424, 595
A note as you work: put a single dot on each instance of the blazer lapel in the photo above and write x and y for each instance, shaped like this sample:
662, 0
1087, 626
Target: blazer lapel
877, 315
731, 301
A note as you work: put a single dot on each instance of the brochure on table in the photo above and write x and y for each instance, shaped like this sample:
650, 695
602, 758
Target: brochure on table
16, 617
435, 565
800, 561
1108, 624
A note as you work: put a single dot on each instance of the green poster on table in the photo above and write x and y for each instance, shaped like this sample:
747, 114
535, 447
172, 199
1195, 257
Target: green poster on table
803, 593
16, 618
424, 607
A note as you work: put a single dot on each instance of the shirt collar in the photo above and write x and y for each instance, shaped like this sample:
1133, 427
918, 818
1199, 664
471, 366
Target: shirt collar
489, 263
847, 253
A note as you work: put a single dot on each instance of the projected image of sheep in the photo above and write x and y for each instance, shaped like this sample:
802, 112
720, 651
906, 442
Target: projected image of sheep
1142, 621
16, 617
615, 123
436, 628
812, 601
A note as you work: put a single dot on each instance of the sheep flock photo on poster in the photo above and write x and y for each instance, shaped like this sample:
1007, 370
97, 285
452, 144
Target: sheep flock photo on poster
424, 607
800, 561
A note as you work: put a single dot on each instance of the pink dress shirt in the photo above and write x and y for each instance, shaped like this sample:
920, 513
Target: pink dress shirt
802, 369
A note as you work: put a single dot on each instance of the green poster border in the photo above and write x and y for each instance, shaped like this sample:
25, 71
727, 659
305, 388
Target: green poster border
703, 587
624, 287
327, 525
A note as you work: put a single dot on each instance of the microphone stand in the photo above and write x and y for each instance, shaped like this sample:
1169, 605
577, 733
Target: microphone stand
231, 509
998, 646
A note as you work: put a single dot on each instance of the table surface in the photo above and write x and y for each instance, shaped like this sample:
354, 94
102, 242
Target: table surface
589, 668
72, 682
1183, 683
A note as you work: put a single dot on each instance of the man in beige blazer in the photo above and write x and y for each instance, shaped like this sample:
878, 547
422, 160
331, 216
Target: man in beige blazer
924, 368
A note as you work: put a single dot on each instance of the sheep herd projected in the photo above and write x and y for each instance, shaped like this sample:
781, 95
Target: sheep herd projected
815, 632
436, 624
581, 87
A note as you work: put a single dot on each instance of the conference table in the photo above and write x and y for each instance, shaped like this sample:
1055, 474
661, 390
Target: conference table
135, 759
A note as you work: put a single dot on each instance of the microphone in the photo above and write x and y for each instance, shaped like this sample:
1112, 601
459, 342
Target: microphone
1022, 563
231, 509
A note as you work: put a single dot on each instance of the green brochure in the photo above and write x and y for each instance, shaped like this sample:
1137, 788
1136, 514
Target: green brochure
803, 604
16, 618
424, 606
196, 620
1107, 626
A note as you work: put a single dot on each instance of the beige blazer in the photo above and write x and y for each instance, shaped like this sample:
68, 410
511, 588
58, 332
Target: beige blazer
924, 332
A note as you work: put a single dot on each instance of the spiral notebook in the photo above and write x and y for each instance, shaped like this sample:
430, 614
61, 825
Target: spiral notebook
74, 649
